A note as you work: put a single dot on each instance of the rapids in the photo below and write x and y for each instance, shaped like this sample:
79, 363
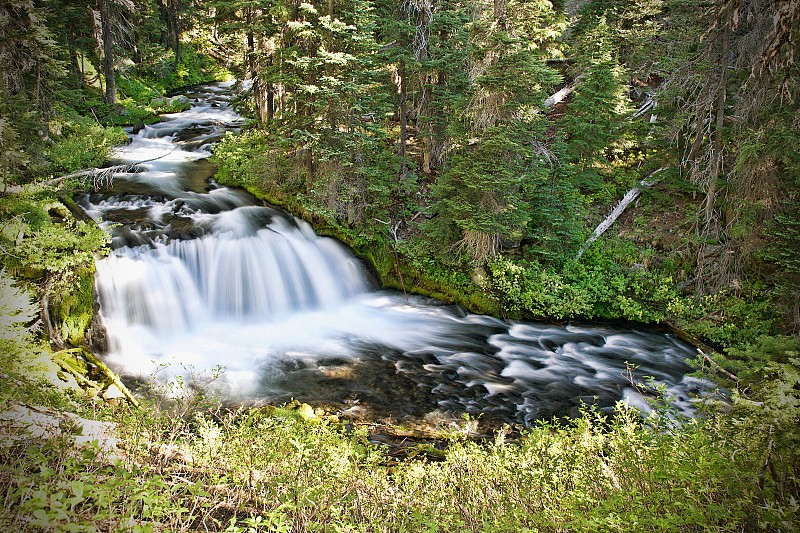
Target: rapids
203, 276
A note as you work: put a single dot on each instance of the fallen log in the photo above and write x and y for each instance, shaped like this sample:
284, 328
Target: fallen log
99, 177
629, 197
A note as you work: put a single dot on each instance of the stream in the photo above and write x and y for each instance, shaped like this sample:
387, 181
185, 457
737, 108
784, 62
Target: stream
202, 276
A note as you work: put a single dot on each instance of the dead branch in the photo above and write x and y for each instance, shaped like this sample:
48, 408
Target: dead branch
717, 366
562, 93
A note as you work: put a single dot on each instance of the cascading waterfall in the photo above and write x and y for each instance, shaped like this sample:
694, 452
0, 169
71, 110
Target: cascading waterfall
202, 276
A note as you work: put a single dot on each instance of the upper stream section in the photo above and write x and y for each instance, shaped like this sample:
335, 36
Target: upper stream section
202, 276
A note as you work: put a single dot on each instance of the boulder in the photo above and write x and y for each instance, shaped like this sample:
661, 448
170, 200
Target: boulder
180, 101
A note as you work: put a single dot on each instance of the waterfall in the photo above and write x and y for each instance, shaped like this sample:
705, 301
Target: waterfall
276, 271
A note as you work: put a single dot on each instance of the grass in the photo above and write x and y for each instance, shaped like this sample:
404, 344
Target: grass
185, 465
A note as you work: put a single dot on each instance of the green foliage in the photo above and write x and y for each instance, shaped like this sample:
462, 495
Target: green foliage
766, 413
74, 308
277, 470
135, 89
50, 486
29, 371
250, 160
728, 319
193, 68
82, 144
58, 254
481, 196
598, 108
612, 281
17, 311
632, 27
31, 72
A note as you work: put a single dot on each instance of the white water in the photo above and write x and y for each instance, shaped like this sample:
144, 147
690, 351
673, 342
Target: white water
202, 276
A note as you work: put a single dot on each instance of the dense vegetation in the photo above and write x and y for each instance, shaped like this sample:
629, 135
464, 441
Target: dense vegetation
421, 133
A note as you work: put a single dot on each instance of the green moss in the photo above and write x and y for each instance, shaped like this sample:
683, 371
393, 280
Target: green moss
72, 306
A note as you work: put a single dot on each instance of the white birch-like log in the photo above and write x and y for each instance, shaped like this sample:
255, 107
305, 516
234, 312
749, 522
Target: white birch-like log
623, 204
95, 177
562, 93
557, 97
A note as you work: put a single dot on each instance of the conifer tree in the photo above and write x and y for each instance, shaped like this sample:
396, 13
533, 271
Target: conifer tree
599, 104
482, 190
30, 74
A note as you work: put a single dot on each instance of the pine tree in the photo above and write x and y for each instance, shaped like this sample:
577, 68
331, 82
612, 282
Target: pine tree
30, 75
482, 190
599, 105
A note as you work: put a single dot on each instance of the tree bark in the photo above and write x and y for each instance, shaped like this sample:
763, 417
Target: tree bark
252, 68
711, 194
270, 98
623, 204
108, 53
164, 38
172, 12
73, 59
403, 111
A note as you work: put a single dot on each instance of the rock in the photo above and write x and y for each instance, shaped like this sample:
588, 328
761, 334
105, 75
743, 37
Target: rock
21, 422
306, 412
158, 102
180, 101
355, 412
478, 276
113, 395
96, 333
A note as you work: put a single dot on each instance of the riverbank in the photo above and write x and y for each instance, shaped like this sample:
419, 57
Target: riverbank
186, 464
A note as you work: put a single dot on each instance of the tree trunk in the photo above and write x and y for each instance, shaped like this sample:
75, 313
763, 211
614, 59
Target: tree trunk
164, 38
172, 11
711, 195
252, 67
402, 111
270, 97
499, 10
424, 121
108, 53
310, 115
74, 65
615, 213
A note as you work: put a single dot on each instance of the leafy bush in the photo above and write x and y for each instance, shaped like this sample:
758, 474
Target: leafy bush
193, 68
82, 144
135, 89
280, 470
728, 319
612, 281
57, 254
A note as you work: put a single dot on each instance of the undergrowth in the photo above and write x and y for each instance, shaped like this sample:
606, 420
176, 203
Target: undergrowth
272, 470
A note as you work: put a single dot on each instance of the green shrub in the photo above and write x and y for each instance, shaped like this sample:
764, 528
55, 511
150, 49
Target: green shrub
82, 144
278, 470
612, 281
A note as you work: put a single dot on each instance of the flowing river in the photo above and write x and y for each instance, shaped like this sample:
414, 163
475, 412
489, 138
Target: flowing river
203, 276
